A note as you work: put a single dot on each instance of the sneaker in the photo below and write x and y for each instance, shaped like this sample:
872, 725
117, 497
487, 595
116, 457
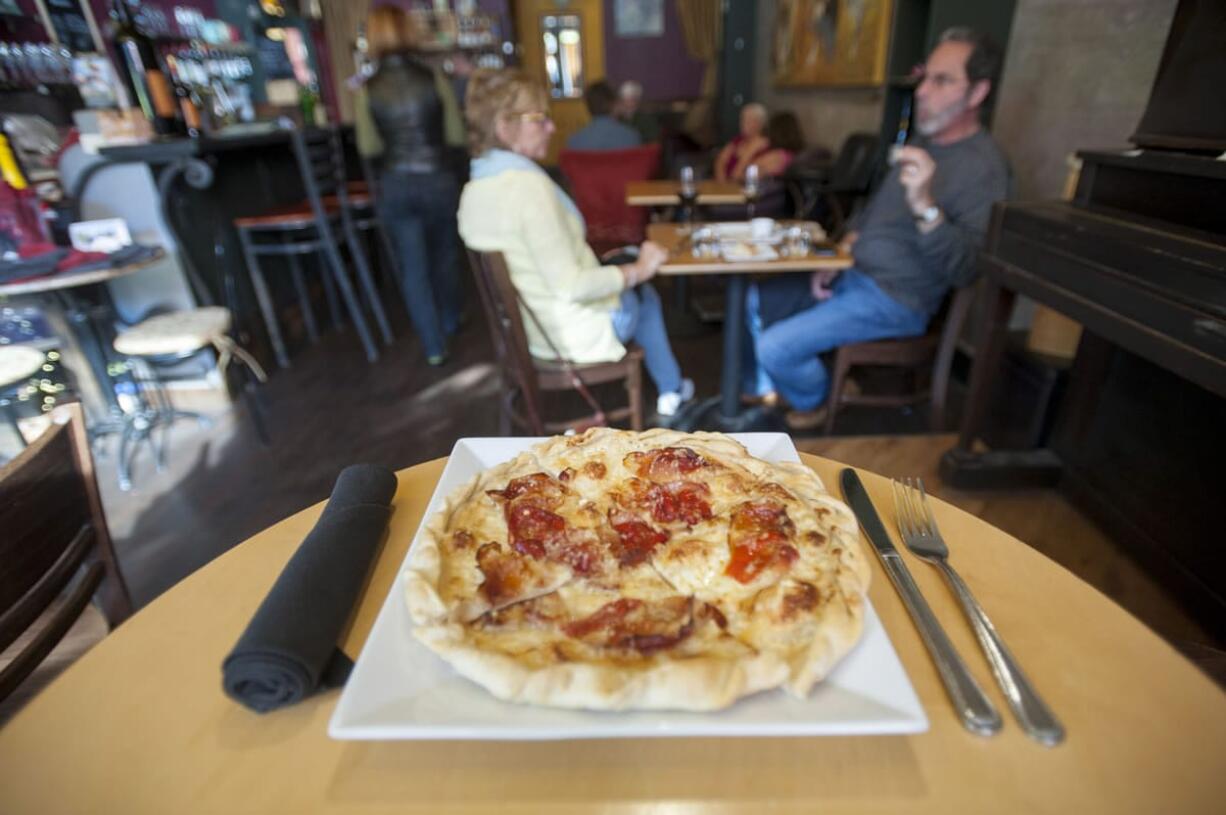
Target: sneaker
669, 403
436, 360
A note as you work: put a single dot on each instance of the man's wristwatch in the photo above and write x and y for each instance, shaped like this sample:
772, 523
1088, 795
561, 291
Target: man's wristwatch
929, 214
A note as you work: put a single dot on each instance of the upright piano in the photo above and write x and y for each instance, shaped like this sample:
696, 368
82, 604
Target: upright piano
1138, 257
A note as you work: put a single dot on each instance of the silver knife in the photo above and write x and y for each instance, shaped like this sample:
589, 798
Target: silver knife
974, 708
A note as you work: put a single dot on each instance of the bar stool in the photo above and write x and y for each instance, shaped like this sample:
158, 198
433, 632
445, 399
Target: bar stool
309, 227
18, 363
172, 336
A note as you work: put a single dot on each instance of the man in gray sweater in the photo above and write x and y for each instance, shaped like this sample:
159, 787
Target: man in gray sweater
917, 236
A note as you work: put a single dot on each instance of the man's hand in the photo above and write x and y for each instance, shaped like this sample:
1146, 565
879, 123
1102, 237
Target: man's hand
848, 241
819, 284
915, 174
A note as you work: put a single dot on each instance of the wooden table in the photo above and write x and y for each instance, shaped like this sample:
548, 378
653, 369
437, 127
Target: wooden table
89, 335
665, 193
675, 238
140, 723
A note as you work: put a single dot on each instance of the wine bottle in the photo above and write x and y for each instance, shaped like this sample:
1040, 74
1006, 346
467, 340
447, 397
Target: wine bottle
145, 77
189, 103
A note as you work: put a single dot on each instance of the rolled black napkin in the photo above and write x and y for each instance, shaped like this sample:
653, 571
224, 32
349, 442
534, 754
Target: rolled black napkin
289, 648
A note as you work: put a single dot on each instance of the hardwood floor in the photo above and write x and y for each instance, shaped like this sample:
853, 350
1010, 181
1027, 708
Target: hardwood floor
332, 409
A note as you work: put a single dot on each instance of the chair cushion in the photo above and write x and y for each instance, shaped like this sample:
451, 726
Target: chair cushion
18, 363
299, 214
178, 332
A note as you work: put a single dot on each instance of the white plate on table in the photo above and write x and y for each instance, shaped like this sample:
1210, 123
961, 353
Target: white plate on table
746, 251
399, 689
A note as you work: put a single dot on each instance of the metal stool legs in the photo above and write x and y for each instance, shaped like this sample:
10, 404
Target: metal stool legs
304, 298
264, 297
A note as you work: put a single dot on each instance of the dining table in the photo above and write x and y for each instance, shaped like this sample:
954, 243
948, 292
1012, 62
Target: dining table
724, 412
667, 193
140, 723
82, 325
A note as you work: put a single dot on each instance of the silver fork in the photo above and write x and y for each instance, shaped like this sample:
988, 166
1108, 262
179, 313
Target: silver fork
920, 534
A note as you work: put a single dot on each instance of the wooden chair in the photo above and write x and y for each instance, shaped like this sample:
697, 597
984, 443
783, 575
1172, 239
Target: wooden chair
526, 377
932, 353
55, 548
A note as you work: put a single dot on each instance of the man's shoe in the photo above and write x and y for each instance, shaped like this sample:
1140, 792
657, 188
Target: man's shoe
769, 400
806, 419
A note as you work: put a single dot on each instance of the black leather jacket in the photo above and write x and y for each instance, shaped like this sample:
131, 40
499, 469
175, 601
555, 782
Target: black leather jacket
408, 113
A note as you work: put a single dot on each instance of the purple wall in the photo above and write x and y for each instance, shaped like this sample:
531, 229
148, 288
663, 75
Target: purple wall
27, 28
659, 63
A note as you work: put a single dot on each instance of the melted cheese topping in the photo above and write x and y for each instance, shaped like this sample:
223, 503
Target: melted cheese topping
615, 482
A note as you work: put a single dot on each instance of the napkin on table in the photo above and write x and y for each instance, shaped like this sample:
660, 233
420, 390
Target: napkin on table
289, 648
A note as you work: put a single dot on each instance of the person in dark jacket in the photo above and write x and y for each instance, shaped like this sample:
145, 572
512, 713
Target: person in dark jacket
406, 117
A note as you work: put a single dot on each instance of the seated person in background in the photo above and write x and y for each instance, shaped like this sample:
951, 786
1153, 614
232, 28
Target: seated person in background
916, 238
785, 139
603, 132
511, 206
746, 148
629, 101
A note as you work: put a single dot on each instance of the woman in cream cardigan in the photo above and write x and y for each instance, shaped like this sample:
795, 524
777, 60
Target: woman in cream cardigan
513, 207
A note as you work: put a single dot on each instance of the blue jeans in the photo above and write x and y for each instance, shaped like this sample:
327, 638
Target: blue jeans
419, 213
640, 318
859, 311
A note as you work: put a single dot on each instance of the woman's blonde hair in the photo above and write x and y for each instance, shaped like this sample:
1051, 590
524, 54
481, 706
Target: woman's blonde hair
498, 94
388, 29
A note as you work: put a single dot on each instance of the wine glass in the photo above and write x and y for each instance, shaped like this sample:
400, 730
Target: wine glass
688, 193
751, 189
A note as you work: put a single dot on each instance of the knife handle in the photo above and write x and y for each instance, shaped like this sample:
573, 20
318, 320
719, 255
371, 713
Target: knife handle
974, 708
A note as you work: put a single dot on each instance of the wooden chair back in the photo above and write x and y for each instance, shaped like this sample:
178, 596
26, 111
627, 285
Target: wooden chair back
500, 302
525, 377
54, 531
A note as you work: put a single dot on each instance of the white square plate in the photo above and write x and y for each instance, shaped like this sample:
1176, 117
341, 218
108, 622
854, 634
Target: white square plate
400, 690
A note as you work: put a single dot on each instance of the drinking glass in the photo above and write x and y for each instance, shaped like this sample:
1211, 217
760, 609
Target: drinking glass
688, 193
751, 189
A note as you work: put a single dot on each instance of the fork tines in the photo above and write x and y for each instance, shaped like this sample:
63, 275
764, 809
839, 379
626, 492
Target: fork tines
911, 506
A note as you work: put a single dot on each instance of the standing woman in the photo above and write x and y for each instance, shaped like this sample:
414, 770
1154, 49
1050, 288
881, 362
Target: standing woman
510, 205
406, 117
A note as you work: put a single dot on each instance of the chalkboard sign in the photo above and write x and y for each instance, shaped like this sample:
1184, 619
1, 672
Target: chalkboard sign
70, 25
274, 59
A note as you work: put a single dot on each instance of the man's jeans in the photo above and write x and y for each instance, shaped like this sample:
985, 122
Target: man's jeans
419, 213
858, 311
641, 318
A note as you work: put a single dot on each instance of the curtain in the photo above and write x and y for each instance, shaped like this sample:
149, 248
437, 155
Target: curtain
341, 21
702, 26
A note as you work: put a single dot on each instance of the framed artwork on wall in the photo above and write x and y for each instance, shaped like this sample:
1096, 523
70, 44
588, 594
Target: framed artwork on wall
638, 18
823, 43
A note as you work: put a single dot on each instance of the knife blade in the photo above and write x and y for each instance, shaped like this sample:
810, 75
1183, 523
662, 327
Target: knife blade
974, 709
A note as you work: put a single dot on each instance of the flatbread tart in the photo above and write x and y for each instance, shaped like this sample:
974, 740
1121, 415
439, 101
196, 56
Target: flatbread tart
658, 570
